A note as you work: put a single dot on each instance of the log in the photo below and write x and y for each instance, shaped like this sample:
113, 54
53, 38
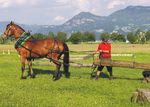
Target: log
124, 64
141, 96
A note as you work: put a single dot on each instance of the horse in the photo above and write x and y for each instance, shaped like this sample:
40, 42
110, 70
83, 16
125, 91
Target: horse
30, 48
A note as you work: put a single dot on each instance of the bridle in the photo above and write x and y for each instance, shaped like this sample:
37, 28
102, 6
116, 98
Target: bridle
8, 29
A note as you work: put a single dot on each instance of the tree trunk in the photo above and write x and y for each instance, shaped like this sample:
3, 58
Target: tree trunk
141, 96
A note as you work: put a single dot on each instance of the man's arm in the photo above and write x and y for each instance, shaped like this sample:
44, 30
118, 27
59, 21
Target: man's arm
99, 51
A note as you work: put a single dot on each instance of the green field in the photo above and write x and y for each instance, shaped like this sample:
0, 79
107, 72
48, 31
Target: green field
78, 91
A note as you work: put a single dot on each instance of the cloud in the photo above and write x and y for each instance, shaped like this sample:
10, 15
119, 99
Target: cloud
142, 1
15, 3
114, 3
118, 3
59, 18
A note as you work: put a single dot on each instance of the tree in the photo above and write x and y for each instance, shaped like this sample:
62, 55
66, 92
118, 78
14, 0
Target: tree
75, 38
147, 35
39, 36
131, 37
88, 36
141, 38
105, 35
61, 36
137, 32
51, 35
117, 37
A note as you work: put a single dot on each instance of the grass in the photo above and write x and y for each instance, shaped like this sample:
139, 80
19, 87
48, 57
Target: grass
78, 91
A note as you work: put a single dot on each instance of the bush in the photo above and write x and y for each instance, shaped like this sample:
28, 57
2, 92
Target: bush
61, 36
131, 38
75, 38
118, 37
88, 36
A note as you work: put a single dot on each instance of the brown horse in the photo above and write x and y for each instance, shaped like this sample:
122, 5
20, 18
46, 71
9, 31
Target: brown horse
30, 49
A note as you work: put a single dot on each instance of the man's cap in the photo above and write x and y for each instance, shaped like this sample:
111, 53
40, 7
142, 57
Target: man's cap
104, 39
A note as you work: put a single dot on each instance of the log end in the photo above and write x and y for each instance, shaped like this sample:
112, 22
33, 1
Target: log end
141, 96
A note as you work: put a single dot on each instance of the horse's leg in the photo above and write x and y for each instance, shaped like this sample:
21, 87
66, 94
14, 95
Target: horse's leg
57, 73
31, 74
23, 60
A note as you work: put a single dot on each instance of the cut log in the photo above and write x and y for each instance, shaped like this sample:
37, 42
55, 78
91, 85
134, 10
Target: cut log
141, 96
120, 63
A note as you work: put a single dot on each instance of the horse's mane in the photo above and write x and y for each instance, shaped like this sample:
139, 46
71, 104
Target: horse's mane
16, 26
19, 27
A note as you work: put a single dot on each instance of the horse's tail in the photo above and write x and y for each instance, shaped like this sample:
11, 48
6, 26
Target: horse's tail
66, 60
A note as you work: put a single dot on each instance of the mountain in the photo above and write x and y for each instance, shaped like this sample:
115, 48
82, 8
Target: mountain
33, 28
122, 21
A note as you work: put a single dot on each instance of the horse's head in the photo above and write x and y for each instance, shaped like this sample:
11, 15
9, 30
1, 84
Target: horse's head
9, 31
12, 29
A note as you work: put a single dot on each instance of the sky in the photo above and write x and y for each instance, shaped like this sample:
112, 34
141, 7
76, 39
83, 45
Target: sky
56, 12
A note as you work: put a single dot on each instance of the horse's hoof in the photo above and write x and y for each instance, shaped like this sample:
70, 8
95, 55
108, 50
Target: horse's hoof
67, 75
23, 78
93, 74
32, 76
111, 78
54, 78
59, 75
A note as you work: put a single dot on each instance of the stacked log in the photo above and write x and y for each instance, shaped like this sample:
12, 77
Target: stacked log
124, 64
141, 96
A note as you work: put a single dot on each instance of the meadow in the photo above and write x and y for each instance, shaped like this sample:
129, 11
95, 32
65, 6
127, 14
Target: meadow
77, 91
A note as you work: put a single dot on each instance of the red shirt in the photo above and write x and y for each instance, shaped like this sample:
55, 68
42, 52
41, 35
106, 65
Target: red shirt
104, 46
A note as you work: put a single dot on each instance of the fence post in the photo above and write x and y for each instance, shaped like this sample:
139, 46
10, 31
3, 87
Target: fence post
3, 52
8, 52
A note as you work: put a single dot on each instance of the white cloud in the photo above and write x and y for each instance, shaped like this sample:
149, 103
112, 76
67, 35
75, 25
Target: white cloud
114, 3
15, 3
143, 1
59, 18
5, 3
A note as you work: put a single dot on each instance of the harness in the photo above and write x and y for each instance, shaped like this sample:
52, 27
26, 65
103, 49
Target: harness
22, 40
26, 36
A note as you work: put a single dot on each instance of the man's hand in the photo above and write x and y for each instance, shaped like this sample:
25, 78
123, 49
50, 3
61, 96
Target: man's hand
95, 52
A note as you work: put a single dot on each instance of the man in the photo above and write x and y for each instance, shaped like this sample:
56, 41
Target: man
104, 48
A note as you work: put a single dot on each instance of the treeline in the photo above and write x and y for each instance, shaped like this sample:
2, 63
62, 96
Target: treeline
137, 37
74, 38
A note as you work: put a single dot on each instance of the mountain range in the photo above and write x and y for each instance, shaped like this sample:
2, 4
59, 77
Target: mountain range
122, 21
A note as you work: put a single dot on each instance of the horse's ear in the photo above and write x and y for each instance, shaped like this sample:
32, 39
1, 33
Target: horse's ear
11, 22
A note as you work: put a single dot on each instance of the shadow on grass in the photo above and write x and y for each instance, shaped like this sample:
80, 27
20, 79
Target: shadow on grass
105, 75
127, 78
41, 71
49, 72
102, 75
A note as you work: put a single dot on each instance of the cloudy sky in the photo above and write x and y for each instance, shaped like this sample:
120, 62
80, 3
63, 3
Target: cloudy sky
55, 12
